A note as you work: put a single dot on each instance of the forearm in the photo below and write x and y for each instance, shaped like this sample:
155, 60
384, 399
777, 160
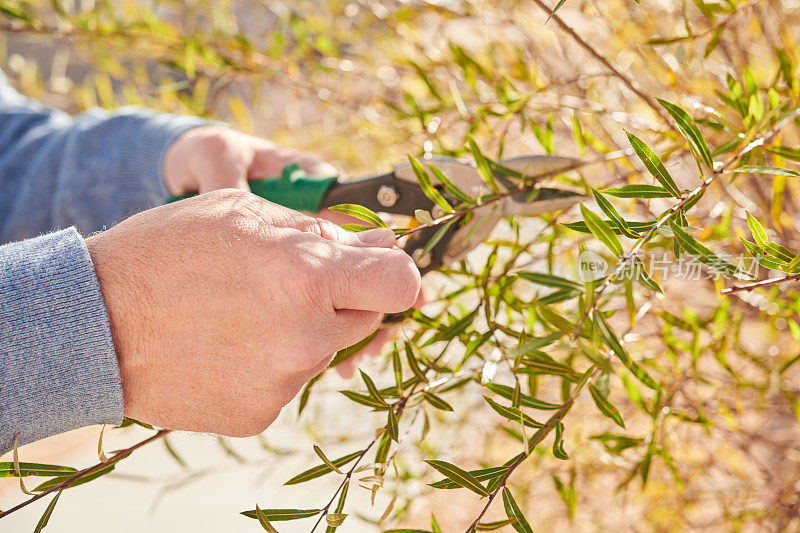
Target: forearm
87, 171
58, 367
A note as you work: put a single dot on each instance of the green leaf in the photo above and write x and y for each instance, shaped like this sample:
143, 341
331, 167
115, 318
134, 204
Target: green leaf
321, 470
373, 390
528, 401
325, 460
616, 444
436, 401
513, 511
612, 213
758, 169
638, 227
450, 187
283, 515
338, 516
513, 414
702, 253
602, 231
47, 513
263, 519
644, 277
335, 519
532, 345
52, 482
638, 191
605, 406
412, 362
482, 474
689, 130
549, 280
483, 165
653, 164
346, 353
491, 526
35, 469
758, 231
601, 326
361, 213
541, 363
553, 12
363, 399
397, 367
391, 426
784, 151
558, 443
441, 232
460, 477
427, 187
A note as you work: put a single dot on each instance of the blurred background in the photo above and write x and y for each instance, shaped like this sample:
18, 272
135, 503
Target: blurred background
364, 83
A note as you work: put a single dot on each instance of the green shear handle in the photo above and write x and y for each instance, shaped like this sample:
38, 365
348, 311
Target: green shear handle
294, 189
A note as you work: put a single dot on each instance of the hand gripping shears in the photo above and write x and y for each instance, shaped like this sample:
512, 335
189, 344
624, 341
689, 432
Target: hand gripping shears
398, 193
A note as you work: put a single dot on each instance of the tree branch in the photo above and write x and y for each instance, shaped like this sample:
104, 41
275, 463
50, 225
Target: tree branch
85, 472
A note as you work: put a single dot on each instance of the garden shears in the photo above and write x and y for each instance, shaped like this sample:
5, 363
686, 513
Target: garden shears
398, 193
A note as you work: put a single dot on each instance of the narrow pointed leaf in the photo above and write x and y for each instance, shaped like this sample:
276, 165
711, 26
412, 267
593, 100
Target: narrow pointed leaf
436, 401
450, 187
263, 519
325, 460
513, 511
759, 169
638, 191
602, 231
47, 513
605, 406
361, 213
653, 164
427, 187
321, 470
689, 130
612, 213
461, 477
283, 515
483, 165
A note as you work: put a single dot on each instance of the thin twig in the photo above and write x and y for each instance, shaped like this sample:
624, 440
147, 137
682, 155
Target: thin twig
763, 283
85, 472
616, 72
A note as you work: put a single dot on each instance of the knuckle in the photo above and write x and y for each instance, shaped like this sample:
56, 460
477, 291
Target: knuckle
216, 141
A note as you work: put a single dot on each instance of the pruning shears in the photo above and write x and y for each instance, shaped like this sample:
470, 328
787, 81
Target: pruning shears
398, 192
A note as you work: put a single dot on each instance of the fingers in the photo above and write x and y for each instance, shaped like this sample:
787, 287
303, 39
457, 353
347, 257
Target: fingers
269, 159
374, 279
353, 325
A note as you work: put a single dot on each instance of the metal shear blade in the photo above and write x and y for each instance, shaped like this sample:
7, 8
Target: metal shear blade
464, 237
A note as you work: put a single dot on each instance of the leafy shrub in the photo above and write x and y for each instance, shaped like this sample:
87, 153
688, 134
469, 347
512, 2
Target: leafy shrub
648, 379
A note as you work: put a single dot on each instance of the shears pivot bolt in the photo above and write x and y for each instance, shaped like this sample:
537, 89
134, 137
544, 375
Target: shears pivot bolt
387, 195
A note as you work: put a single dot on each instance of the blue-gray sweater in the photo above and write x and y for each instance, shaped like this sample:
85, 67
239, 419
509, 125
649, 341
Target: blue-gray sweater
62, 177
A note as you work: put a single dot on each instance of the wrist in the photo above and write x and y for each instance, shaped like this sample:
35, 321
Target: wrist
123, 309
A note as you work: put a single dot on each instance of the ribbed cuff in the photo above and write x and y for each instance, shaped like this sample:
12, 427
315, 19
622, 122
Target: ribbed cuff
148, 137
58, 367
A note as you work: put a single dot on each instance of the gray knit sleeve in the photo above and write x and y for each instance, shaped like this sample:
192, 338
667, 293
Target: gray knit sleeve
58, 367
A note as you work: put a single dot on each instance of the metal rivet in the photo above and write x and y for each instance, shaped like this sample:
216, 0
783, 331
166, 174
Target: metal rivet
387, 195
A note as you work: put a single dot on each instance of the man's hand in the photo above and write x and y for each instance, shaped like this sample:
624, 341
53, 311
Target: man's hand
215, 157
222, 306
